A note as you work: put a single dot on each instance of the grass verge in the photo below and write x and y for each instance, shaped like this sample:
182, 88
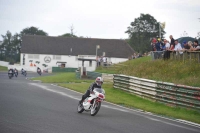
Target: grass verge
2, 68
132, 101
68, 77
173, 71
122, 98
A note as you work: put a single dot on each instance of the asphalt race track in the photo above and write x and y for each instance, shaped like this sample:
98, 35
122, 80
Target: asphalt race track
33, 107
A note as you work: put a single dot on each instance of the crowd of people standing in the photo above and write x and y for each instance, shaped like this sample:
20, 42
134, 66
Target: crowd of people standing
172, 46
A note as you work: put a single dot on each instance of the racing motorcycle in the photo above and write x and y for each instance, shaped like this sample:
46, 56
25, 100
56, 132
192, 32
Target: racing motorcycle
16, 73
39, 72
10, 74
93, 102
24, 73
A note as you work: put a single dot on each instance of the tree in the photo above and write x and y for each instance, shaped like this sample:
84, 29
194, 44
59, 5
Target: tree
33, 31
10, 47
11, 44
141, 32
68, 35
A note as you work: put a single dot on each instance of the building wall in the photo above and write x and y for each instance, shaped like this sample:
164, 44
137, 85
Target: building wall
4, 63
116, 60
38, 60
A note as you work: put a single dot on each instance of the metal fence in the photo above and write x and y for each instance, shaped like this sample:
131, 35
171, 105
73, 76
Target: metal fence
90, 75
167, 93
60, 69
157, 55
186, 55
93, 75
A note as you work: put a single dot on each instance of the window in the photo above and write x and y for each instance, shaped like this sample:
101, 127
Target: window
36, 56
30, 56
56, 57
33, 56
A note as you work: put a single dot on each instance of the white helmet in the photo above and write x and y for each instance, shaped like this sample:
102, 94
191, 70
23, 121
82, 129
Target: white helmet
99, 81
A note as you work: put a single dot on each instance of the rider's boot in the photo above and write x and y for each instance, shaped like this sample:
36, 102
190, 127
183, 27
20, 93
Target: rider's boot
81, 101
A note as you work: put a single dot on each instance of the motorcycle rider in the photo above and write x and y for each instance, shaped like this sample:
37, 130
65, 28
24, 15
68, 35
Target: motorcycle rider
38, 69
22, 71
16, 71
11, 69
97, 84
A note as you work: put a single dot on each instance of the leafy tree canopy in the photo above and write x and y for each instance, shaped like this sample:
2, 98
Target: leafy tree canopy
10, 47
141, 31
68, 35
33, 31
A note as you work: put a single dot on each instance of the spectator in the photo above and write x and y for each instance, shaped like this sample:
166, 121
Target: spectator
153, 45
139, 55
99, 61
178, 47
153, 48
183, 43
167, 47
172, 43
190, 45
185, 46
171, 48
104, 61
163, 48
159, 48
158, 45
196, 46
134, 56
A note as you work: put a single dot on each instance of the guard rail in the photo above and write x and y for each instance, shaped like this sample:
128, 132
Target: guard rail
167, 93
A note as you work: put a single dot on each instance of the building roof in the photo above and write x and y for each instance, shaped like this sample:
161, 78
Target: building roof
33, 44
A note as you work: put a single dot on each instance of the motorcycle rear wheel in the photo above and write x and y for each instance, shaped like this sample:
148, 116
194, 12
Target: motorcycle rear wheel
95, 109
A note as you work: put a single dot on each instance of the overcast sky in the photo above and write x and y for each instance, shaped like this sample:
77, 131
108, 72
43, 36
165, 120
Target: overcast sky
98, 18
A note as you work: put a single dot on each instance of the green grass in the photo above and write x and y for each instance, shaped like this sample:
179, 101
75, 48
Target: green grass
173, 71
66, 77
2, 68
116, 68
132, 101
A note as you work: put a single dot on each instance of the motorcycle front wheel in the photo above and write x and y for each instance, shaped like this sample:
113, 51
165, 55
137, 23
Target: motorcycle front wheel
80, 108
95, 108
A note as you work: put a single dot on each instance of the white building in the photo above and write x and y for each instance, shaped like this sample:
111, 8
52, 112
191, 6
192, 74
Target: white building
47, 52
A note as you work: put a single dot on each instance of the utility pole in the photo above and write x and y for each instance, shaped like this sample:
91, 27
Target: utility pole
159, 31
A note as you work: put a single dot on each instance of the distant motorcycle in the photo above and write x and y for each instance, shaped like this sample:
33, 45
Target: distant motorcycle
10, 74
24, 73
93, 102
16, 73
39, 72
